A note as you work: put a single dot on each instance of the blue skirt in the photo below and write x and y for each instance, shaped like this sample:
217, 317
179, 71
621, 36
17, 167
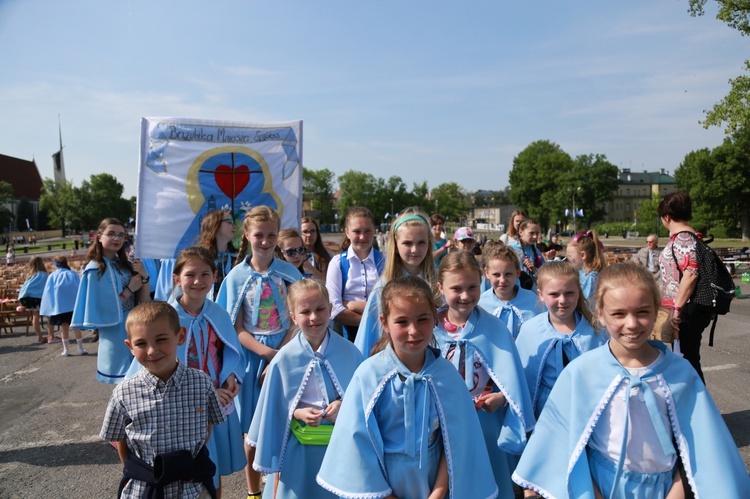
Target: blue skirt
502, 466
225, 447
113, 358
297, 477
250, 389
631, 484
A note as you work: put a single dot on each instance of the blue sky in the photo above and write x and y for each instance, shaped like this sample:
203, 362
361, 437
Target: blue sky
435, 91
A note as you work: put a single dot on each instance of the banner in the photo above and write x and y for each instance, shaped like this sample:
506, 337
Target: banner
189, 167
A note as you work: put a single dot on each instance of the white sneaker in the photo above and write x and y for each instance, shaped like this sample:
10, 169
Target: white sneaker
65, 354
81, 351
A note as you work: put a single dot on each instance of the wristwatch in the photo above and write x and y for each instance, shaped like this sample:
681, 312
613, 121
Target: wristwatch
145, 280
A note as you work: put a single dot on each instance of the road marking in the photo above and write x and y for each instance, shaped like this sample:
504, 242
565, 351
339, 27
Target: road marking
722, 367
10, 376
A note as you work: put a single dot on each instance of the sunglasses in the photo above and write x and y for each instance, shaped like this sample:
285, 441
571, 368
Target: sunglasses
295, 251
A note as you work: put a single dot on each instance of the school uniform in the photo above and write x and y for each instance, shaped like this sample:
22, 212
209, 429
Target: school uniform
558, 459
328, 371
544, 352
59, 296
262, 297
393, 427
513, 313
588, 285
99, 306
483, 353
32, 289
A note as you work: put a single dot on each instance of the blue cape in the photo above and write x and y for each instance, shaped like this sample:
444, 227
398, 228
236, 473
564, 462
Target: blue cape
33, 287
370, 331
487, 336
588, 285
514, 313
164, 283
354, 465
539, 343
240, 278
98, 300
60, 293
288, 373
555, 464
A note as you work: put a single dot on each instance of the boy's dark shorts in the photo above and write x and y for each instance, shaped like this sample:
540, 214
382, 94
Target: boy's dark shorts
60, 319
31, 303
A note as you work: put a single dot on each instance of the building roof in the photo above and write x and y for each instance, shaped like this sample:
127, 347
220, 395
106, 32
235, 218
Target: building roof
661, 177
22, 175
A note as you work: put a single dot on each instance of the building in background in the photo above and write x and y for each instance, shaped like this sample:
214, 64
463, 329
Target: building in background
635, 188
24, 177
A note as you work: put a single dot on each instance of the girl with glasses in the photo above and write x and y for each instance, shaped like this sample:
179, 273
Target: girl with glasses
110, 287
291, 248
317, 253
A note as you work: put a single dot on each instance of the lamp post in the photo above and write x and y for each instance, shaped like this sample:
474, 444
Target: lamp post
575, 230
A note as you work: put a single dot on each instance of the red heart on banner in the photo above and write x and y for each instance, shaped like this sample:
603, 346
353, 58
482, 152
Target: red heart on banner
226, 177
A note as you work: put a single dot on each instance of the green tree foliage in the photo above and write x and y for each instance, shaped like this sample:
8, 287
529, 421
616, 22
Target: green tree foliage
538, 181
6, 197
734, 109
61, 204
486, 199
318, 188
101, 197
451, 200
359, 189
595, 180
718, 180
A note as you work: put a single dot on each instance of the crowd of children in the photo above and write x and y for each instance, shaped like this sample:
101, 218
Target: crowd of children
398, 375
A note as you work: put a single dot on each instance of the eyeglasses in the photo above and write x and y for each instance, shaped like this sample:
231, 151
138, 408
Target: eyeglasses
227, 220
295, 251
112, 235
309, 232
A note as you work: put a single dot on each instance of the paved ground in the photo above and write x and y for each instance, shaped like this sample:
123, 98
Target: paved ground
51, 409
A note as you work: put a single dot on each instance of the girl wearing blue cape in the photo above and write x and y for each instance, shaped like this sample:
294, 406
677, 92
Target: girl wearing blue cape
30, 294
110, 287
254, 294
481, 349
58, 302
302, 392
530, 256
408, 253
548, 342
506, 299
630, 418
407, 426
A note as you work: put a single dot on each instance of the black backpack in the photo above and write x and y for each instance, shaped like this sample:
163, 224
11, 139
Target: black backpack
714, 289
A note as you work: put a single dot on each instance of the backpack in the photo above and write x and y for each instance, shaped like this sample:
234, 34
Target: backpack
714, 289
350, 332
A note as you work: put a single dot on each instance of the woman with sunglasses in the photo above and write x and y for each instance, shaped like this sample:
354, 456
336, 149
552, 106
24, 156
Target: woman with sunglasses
290, 247
316, 251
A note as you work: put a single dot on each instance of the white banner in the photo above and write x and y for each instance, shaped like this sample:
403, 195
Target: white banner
190, 167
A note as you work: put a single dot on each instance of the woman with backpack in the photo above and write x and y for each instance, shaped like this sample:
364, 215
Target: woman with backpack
680, 269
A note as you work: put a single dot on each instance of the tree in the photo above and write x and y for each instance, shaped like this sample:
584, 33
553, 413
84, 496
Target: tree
718, 181
734, 108
595, 180
25, 211
360, 189
486, 199
318, 188
451, 201
6, 197
536, 180
101, 197
60, 203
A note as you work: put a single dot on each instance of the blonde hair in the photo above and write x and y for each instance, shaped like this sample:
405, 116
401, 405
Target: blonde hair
456, 262
150, 312
394, 265
257, 215
511, 226
498, 251
553, 270
589, 243
626, 275
302, 287
406, 287
36, 264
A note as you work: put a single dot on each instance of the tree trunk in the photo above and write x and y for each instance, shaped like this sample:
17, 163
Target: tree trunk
745, 223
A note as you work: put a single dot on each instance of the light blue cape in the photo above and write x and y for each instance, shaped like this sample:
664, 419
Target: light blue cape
33, 287
370, 330
288, 373
354, 467
540, 343
488, 337
514, 313
554, 463
60, 292
98, 300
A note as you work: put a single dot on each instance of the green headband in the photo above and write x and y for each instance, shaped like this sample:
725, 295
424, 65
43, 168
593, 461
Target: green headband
399, 223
